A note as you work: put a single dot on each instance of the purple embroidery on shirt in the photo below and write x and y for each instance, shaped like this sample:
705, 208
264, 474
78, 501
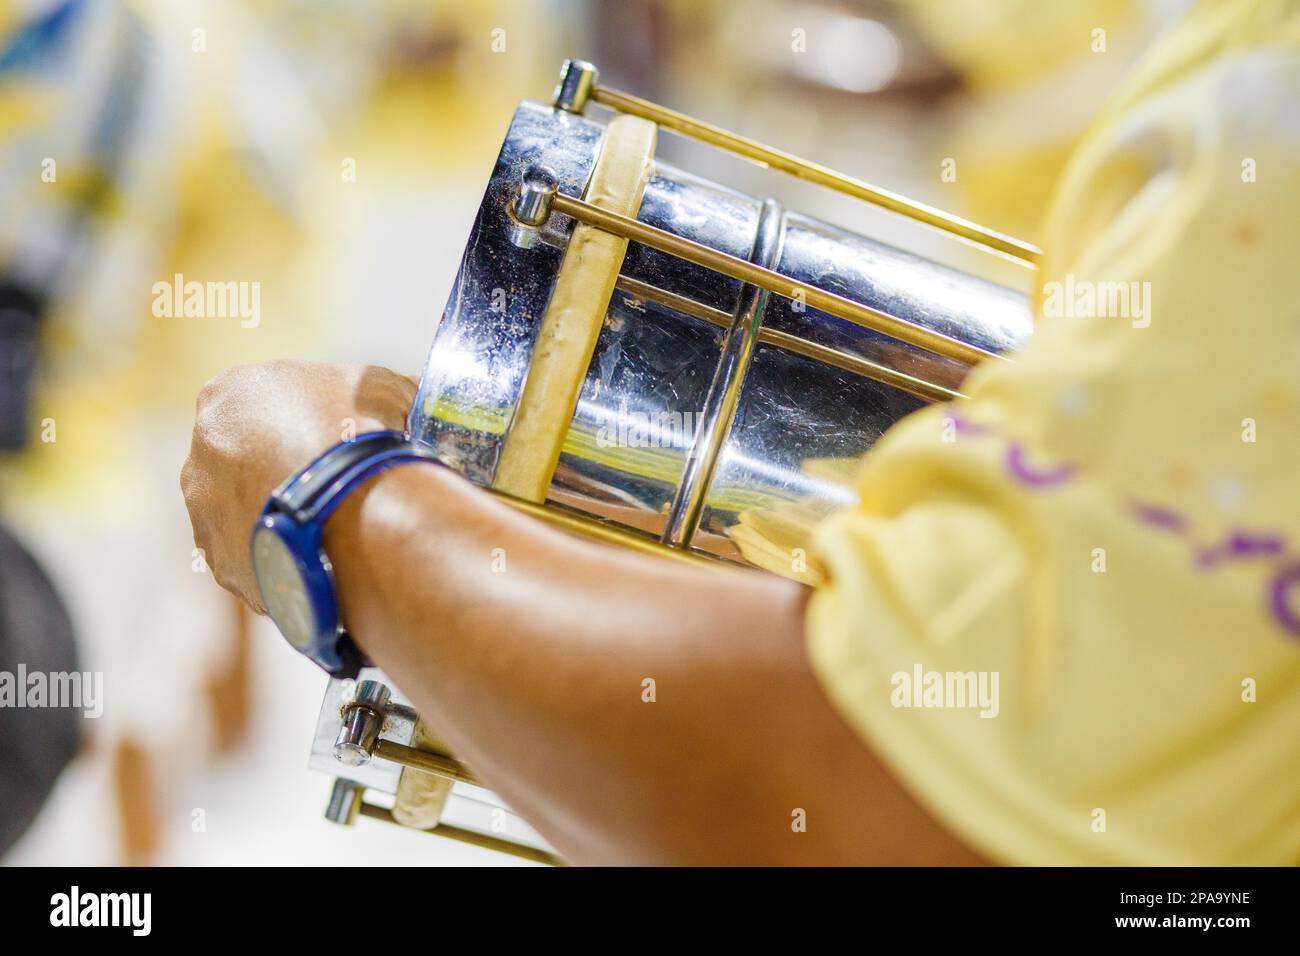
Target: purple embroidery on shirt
1033, 477
1285, 581
1156, 516
1245, 545
1238, 545
963, 426
1241, 545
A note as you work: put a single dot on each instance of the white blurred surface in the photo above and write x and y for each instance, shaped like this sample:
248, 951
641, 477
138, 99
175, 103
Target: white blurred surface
261, 805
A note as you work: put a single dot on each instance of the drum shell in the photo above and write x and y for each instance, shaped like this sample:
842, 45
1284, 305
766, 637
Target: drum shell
651, 395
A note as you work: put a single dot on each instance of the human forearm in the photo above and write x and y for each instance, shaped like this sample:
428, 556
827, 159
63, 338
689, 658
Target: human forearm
534, 673
528, 651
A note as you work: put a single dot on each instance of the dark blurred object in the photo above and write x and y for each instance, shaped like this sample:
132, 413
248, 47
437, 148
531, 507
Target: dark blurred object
20, 315
35, 743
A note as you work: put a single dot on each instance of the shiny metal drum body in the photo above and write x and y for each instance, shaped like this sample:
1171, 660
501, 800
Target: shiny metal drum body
714, 416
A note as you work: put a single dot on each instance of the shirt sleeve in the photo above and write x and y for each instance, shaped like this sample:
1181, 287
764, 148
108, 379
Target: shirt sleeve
1066, 611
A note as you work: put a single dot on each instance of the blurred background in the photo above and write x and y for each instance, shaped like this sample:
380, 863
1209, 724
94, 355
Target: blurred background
334, 152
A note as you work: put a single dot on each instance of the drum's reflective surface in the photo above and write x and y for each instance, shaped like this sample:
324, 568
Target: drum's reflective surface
686, 354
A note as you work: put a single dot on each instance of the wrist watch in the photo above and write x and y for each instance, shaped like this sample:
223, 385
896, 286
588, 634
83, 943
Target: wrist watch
293, 572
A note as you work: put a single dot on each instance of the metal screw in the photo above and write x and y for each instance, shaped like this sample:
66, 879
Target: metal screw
344, 802
577, 79
536, 193
363, 718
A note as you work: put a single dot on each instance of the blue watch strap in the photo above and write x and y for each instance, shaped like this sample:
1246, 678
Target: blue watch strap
372, 466
314, 492
296, 513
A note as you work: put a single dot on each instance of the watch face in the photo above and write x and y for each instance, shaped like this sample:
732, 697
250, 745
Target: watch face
283, 591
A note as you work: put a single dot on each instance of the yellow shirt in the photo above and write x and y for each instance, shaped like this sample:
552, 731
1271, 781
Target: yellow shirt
1067, 610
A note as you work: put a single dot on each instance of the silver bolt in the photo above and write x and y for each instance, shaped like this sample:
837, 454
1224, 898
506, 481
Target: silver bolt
370, 693
363, 718
577, 79
536, 193
345, 800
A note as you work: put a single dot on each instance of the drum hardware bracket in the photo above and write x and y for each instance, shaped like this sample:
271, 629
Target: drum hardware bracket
347, 802
364, 713
359, 740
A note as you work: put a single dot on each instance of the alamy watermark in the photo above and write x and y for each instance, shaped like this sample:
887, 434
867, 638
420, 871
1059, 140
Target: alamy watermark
661, 429
133, 911
1074, 298
181, 299
57, 689
951, 690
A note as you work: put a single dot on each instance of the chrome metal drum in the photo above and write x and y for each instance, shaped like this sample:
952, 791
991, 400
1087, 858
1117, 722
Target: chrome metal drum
645, 356
713, 415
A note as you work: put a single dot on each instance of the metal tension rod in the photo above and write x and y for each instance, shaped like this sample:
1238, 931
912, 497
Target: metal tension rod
782, 285
579, 83
470, 837
436, 764
846, 361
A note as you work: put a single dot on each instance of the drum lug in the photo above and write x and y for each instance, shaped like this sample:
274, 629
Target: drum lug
363, 718
344, 802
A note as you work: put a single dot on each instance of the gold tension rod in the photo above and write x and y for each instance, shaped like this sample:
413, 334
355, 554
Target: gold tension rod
772, 281
578, 85
539, 196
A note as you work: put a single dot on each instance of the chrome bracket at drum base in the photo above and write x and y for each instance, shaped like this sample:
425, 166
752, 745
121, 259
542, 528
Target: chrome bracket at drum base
364, 736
